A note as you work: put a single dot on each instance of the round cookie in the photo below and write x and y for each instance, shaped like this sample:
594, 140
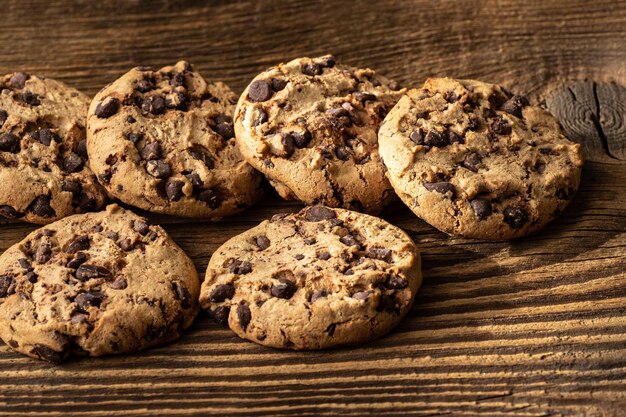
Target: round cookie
319, 278
95, 284
311, 127
163, 141
475, 161
43, 160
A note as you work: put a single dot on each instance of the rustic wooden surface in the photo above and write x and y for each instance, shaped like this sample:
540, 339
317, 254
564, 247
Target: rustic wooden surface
535, 327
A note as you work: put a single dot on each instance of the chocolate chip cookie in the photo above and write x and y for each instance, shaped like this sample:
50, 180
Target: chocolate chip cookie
319, 278
310, 126
95, 284
43, 160
474, 160
163, 140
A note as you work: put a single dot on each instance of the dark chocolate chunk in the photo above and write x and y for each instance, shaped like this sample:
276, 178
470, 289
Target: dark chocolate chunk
201, 155
343, 153
158, 169
299, 257
364, 96
73, 163
500, 126
30, 98
259, 90
107, 108
383, 254
154, 105
278, 84
330, 330
178, 80
417, 136
141, 227
225, 130
238, 267
361, 295
9, 143
515, 216
119, 283
87, 271
46, 136
220, 314
471, 161
436, 138
319, 213
441, 187
48, 354
182, 294
78, 259
77, 244
73, 187
284, 289
135, 137
453, 137
86, 202
514, 105
261, 117
126, 245
211, 197
174, 189
324, 256
348, 240
6, 281
40, 206
482, 208
43, 253
288, 143
312, 69
301, 139
146, 84
244, 314
31, 277
386, 303
196, 181
396, 282
25, 264
222, 292
317, 294
88, 299
262, 242
151, 151
18, 80
9, 212
565, 193
3, 117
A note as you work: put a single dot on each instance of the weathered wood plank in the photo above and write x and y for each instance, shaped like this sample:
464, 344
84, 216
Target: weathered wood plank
535, 327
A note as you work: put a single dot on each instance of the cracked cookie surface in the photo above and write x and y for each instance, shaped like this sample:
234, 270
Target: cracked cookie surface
474, 160
315, 279
311, 125
43, 160
95, 284
163, 140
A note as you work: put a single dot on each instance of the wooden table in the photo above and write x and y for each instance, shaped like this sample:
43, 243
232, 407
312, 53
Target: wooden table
533, 327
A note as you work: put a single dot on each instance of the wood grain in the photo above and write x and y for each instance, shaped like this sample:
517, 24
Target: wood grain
534, 327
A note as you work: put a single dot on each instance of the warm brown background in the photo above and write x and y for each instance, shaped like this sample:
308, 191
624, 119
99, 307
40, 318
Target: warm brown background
535, 327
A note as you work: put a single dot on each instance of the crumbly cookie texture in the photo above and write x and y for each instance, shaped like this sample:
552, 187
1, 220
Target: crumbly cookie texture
319, 278
43, 160
311, 125
474, 160
163, 140
95, 284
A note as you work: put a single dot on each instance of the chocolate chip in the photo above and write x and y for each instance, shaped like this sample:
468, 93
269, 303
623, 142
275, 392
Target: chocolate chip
87, 271
500, 126
317, 294
220, 314
182, 294
436, 138
25, 264
514, 105
200, 154
46, 136
515, 216
324, 256
107, 108
319, 213
48, 354
178, 80
278, 84
9, 143
540, 167
364, 96
135, 137
259, 90
361, 295
43, 253
3, 117
343, 153
30, 98
222, 292
153, 104
73, 163
261, 117
31, 277
18, 80
174, 189
262, 242
6, 281
451, 96
312, 69
301, 139
146, 84
441, 187
482, 208
387, 304
299, 257
40, 206
309, 241
382, 254
288, 143
88, 299
284, 289
119, 283
394, 85
417, 136
330, 330
126, 245
225, 130
211, 197
131, 119
77, 244
158, 169
453, 137
239, 267
81, 148
348, 240
86, 202
141, 227
78, 259
396, 282
244, 314
176, 100
565, 193
471, 161
9, 212
151, 151
196, 181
